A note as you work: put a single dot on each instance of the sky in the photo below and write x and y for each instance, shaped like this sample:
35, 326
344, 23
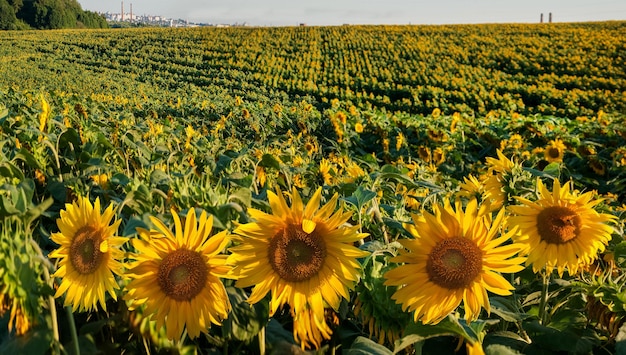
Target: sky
338, 12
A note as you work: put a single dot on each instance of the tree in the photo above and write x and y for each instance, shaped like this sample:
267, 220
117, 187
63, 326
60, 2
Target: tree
52, 14
8, 19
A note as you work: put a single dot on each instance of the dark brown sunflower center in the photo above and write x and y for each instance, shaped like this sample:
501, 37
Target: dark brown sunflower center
296, 255
85, 254
558, 225
182, 274
454, 263
553, 152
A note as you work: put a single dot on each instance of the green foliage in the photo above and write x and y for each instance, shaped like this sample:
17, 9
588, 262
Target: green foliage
47, 14
8, 20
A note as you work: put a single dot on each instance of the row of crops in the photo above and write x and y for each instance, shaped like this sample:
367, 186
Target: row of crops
567, 70
376, 189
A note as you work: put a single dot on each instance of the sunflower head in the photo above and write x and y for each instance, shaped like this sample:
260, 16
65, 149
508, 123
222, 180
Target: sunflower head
456, 256
555, 151
471, 187
500, 165
89, 254
358, 127
424, 153
303, 255
597, 166
561, 229
326, 171
177, 275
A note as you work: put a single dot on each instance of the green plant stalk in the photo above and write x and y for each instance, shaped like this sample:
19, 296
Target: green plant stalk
544, 297
519, 324
53, 313
74, 334
262, 341
51, 303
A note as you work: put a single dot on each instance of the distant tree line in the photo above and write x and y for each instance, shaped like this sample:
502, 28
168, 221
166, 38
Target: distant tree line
47, 14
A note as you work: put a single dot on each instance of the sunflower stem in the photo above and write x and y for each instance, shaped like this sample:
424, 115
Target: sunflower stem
70, 317
53, 313
379, 217
544, 298
262, 341
47, 265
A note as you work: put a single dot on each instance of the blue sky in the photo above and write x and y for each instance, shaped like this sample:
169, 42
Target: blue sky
337, 12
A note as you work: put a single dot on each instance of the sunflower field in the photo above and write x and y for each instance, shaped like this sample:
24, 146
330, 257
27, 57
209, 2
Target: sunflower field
343, 190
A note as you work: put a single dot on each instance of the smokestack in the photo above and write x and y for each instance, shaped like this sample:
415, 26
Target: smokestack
541, 18
550, 17
122, 11
131, 12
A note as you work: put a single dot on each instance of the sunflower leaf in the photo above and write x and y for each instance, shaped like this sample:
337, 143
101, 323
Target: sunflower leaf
365, 346
244, 321
500, 350
360, 197
620, 254
269, 161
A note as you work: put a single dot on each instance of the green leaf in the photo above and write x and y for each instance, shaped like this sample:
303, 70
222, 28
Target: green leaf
281, 339
120, 179
418, 332
505, 338
360, 197
159, 178
573, 340
69, 138
9, 170
244, 195
57, 190
244, 320
505, 309
620, 254
35, 212
553, 169
365, 346
27, 157
36, 341
269, 161
497, 349
131, 226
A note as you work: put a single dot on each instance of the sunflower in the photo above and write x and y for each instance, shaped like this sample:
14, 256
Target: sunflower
400, 140
597, 166
471, 187
424, 153
516, 142
456, 118
456, 256
304, 255
439, 156
177, 276
325, 171
501, 165
561, 229
494, 192
554, 151
353, 171
261, 176
89, 254
358, 127
501, 172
